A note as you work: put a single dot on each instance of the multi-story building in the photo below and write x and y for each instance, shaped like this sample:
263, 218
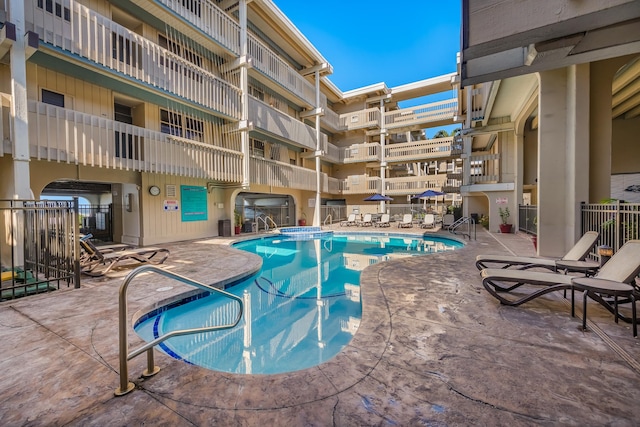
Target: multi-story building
178, 113
558, 87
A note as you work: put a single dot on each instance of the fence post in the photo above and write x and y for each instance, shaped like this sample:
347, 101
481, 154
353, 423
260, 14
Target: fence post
76, 245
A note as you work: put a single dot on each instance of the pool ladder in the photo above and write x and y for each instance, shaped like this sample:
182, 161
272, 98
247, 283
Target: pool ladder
125, 385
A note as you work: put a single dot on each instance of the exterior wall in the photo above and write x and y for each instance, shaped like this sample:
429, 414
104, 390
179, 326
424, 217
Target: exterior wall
520, 16
625, 149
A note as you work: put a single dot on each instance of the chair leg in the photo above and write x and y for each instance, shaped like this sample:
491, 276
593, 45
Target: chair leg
615, 305
584, 311
633, 315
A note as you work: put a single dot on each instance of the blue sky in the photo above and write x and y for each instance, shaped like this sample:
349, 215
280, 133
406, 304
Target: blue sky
372, 41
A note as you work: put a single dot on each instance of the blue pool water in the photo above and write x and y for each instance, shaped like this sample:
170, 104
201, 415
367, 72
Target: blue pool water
301, 308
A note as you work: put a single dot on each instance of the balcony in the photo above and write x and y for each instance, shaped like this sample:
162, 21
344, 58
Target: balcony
269, 120
360, 184
280, 174
485, 168
442, 112
270, 65
109, 45
363, 119
67, 136
369, 152
419, 150
414, 184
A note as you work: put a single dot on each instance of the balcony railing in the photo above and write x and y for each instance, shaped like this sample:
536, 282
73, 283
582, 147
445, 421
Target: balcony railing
422, 114
414, 184
66, 136
269, 64
269, 119
210, 19
331, 119
484, 168
360, 184
102, 41
360, 119
369, 152
419, 150
280, 174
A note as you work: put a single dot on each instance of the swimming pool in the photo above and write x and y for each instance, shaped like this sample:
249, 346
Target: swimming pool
301, 308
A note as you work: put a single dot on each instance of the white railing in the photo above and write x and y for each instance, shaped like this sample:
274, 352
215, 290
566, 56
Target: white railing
360, 119
331, 152
331, 119
361, 153
414, 184
360, 184
419, 150
268, 63
210, 19
280, 174
267, 118
66, 136
480, 98
484, 168
433, 112
102, 41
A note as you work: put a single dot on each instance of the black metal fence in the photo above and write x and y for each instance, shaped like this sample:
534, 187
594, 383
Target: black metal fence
528, 219
97, 220
38, 250
616, 222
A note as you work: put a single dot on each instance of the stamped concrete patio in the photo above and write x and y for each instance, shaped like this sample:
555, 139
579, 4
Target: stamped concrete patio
433, 348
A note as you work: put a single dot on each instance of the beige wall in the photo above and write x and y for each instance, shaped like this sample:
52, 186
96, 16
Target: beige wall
625, 146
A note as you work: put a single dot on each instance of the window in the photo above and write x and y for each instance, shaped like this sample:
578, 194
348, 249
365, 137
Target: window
53, 98
257, 148
124, 147
55, 7
174, 124
170, 123
185, 53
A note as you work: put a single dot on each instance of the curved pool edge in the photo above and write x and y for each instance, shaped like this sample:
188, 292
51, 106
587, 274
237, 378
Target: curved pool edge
352, 365
153, 309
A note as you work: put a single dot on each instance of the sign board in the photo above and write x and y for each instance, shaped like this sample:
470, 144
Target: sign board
502, 200
194, 203
171, 206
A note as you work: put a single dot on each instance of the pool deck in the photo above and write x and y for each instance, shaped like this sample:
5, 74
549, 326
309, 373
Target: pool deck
433, 348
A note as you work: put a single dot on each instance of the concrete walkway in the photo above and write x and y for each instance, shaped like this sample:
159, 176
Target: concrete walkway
433, 348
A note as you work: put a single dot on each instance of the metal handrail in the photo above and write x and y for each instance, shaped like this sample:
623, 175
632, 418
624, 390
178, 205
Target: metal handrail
264, 219
329, 217
125, 385
461, 221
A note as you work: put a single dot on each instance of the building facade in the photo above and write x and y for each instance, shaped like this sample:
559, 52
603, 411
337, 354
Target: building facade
179, 114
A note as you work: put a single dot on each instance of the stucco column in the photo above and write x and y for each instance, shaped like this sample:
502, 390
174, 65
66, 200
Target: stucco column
563, 156
21, 186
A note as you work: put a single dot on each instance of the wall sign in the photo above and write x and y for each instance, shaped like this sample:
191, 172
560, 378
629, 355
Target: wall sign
171, 206
194, 203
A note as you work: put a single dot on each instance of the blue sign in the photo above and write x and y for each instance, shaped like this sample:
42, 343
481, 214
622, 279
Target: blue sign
194, 203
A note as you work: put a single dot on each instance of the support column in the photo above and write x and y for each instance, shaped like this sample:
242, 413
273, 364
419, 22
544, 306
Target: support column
563, 156
244, 86
21, 186
316, 212
383, 160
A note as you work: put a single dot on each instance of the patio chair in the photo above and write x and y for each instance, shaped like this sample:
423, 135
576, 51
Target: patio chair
94, 259
429, 221
447, 220
621, 269
351, 220
407, 221
366, 221
384, 221
578, 253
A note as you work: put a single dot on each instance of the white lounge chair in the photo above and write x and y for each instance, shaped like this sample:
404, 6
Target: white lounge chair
366, 221
351, 220
429, 221
384, 221
407, 221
